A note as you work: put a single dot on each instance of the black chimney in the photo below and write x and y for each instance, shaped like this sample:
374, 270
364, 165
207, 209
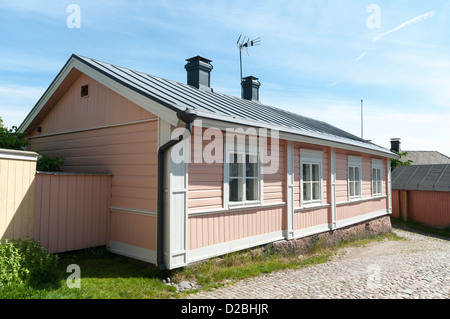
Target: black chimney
250, 88
198, 70
395, 145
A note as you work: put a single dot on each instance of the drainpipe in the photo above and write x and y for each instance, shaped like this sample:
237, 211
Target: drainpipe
187, 116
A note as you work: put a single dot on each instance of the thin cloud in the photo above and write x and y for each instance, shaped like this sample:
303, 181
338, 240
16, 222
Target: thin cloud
405, 24
361, 56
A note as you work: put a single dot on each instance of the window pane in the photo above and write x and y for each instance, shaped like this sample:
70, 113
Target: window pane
379, 174
251, 189
306, 172
357, 174
352, 188
251, 166
316, 191
235, 166
306, 191
351, 176
315, 172
357, 188
235, 186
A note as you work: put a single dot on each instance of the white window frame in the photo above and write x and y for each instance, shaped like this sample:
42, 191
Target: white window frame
353, 163
311, 157
377, 184
242, 152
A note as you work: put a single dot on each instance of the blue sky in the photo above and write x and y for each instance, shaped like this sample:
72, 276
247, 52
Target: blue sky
316, 58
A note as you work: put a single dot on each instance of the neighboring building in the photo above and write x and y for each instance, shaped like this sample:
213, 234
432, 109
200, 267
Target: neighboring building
422, 193
420, 157
290, 177
426, 158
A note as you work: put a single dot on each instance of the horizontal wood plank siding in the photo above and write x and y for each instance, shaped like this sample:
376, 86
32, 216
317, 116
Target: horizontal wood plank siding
274, 185
129, 152
133, 229
358, 208
101, 107
205, 176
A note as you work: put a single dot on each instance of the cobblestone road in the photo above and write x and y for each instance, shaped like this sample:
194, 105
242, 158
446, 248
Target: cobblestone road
418, 268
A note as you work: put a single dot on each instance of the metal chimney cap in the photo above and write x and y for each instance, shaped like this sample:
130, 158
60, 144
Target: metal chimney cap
199, 58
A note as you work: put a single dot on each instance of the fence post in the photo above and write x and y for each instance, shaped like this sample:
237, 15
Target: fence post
404, 205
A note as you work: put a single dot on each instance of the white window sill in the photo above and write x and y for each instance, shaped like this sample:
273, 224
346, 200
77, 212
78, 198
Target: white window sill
310, 206
360, 200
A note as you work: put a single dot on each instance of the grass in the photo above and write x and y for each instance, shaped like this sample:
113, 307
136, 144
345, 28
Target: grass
108, 276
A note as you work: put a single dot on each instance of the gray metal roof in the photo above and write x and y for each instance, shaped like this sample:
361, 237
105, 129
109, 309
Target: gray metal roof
179, 96
426, 157
422, 177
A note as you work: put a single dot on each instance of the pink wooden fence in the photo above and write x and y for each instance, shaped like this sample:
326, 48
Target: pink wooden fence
425, 207
71, 210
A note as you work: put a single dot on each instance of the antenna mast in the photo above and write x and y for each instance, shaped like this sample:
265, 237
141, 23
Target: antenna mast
242, 45
362, 123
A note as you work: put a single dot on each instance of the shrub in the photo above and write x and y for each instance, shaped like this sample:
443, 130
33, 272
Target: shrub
49, 164
25, 262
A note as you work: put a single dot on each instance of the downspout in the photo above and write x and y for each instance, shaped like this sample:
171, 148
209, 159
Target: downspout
187, 116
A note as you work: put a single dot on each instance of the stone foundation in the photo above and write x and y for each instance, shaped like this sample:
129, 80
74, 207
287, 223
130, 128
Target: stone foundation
362, 230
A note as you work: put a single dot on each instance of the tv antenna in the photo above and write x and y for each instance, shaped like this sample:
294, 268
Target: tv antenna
243, 43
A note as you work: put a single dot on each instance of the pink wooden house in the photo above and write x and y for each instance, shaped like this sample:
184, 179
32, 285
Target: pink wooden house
242, 174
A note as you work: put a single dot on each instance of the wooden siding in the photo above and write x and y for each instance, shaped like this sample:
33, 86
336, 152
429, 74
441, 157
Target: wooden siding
425, 207
205, 180
133, 229
71, 210
100, 108
358, 208
17, 178
342, 175
274, 185
297, 172
129, 152
310, 218
211, 229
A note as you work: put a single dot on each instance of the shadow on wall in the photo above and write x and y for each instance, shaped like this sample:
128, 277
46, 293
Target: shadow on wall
17, 194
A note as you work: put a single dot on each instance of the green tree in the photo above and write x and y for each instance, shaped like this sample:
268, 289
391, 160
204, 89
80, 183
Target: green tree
11, 138
398, 162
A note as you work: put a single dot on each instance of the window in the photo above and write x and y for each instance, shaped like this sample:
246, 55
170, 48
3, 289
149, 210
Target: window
354, 176
311, 182
84, 90
377, 177
243, 177
311, 176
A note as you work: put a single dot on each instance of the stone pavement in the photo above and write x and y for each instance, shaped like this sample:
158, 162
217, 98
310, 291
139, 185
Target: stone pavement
418, 268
